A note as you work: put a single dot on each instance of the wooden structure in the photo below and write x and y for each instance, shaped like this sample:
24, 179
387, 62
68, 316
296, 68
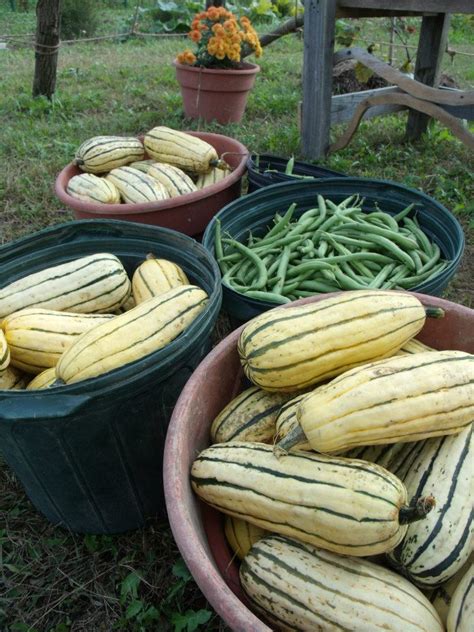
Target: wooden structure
319, 23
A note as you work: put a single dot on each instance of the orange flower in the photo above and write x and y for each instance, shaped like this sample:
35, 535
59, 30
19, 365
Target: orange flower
212, 13
195, 36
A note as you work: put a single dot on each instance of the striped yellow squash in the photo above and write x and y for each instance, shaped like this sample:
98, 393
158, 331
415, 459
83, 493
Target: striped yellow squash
250, 416
43, 380
461, 610
406, 398
4, 352
286, 422
12, 379
155, 276
241, 535
136, 187
211, 177
129, 304
434, 550
182, 150
175, 181
131, 336
38, 337
441, 596
103, 153
293, 348
343, 505
91, 284
414, 346
90, 188
301, 587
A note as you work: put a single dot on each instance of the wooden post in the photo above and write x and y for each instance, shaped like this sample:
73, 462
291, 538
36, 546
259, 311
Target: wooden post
48, 19
319, 25
432, 43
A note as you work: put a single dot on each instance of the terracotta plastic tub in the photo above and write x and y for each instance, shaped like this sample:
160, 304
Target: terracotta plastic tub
188, 214
198, 529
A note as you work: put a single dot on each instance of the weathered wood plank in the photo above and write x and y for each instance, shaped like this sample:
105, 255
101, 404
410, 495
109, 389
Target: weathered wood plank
430, 6
399, 98
406, 83
343, 106
319, 25
433, 38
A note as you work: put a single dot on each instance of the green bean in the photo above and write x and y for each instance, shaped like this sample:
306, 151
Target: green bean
218, 246
309, 266
318, 286
377, 281
409, 282
322, 249
289, 287
389, 246
386, 219
399, 216
350, 241
344, 251
282, 224
346, 268
430, 263
232, 270
347, 283
401, 240
281, 272
416, 260
399, 273
270, 297
250, 254
419, 235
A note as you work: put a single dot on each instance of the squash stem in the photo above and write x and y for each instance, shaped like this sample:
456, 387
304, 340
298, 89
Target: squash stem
295, 436
434, 312
417, 509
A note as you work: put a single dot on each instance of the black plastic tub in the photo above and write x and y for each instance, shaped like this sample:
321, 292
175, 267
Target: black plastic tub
254, 213
266, 169
89, 455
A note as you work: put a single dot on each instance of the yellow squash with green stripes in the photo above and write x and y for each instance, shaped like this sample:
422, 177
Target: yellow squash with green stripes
91, 284
213, 176
38, 337
156, 276
43, 380
348, 506
250, 416
241, 535
399, 399
291, 349
301, 587
149, 326
136, 187
103, 153
12, 379
180, 149
90, 188
175, 181
4, 352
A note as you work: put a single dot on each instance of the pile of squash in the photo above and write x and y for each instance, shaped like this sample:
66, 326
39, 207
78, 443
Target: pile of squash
345, 469
86, 317
116, 171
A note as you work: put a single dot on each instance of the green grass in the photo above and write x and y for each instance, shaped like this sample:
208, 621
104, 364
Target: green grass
55, 581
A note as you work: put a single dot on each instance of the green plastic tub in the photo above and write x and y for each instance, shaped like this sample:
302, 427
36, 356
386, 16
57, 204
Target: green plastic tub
89, 455
254, 212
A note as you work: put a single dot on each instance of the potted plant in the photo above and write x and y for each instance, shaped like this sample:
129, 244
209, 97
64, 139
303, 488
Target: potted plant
214, 80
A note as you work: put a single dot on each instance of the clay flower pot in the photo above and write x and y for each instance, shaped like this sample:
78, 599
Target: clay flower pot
215, 94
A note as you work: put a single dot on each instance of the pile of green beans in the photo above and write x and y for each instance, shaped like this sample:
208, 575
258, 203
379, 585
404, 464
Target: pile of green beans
329, 248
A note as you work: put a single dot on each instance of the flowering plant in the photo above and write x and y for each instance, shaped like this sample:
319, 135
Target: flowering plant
222, 40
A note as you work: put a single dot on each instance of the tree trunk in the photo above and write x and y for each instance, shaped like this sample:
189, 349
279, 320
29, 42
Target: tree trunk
215, 3
48, 19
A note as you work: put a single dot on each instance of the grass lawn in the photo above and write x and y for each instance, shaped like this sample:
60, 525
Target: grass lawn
55, 581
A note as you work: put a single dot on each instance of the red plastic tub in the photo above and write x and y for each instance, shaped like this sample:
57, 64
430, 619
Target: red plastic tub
188, 214
198, 529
